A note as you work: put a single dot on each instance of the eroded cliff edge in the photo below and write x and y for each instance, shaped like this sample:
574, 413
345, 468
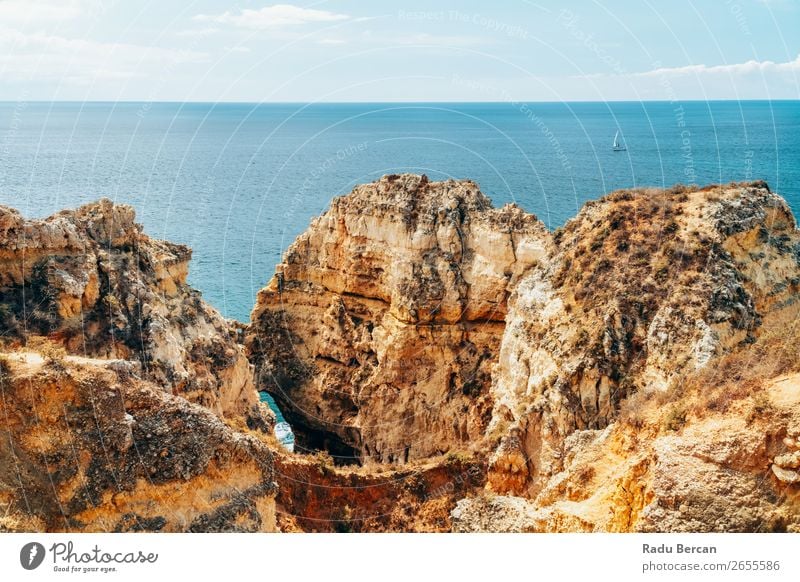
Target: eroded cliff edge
647, 378
636, 370
381, 327
92, 281
414, 319
127, 403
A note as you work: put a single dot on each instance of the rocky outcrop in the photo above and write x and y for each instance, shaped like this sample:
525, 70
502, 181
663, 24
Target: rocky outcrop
122, 390
786, 466
636, 370
615, 390
644, 286
317, 496
714, 472
85, 445
92, 281
381, 326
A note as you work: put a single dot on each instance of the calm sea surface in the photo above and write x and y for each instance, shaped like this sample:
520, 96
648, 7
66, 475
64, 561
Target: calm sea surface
239, 182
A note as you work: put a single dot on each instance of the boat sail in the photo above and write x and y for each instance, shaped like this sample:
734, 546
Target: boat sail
618, 147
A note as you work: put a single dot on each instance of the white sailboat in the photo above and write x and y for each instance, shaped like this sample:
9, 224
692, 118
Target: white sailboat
618, 147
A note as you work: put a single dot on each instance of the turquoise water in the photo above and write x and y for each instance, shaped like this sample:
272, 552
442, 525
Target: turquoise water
283, 432
266, 397
239, 182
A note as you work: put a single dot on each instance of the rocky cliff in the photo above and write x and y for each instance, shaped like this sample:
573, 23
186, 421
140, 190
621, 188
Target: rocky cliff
712, 458
91, 281
636, 370
647, 379
644, 286
89, 446
413, 318
125, 398
379, 331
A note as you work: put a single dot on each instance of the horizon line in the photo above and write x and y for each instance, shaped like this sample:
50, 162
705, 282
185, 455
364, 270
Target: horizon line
376, 102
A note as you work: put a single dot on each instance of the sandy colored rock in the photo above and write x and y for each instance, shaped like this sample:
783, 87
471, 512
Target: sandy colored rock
644, 286
91, 280
88, 446
603, 409
381, 326
712, 475
636, 370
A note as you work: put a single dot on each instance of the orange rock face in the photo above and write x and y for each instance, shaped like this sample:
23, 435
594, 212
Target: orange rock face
413, 319
90, 280
644, 287
124, 394
636, 370
382, 324
88, 446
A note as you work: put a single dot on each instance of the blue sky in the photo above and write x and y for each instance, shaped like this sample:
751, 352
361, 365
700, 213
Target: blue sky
408, 50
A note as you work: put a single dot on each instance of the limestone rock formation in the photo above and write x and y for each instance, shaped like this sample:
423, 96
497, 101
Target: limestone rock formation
633, 369
381, 326
91, 280
85, 445
644, 286
123, 392
721, 470
786, 466
636, 370
317, 496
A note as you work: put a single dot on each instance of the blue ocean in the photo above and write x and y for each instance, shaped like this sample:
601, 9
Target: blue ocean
238, 182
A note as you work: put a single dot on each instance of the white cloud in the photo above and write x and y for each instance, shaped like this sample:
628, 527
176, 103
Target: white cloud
272, 17
197, 32
749, 67
748, 80
331, 41
44, 56
38, 11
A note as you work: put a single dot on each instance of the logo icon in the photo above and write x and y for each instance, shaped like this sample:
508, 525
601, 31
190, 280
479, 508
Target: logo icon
31, 555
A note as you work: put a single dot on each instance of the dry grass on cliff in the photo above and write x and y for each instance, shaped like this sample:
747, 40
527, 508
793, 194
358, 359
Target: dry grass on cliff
745, 372
727, 381
633, 237
5, 369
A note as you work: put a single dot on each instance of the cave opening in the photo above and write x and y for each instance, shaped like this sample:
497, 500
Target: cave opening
311, 441
297, 437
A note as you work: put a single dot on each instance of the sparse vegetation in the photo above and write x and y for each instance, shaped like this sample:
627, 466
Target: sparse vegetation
54, 355
344, 520
728, 380
761, 406
675, 418
741, 374
585, 475
459, 458
323, 460
5, 370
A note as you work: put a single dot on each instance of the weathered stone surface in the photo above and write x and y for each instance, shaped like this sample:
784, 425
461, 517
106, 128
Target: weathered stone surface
87, 446
382, 324
317, 496
121, 386
91, 280
636, 370
786, 466
713, 475
601, 406
644, 286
